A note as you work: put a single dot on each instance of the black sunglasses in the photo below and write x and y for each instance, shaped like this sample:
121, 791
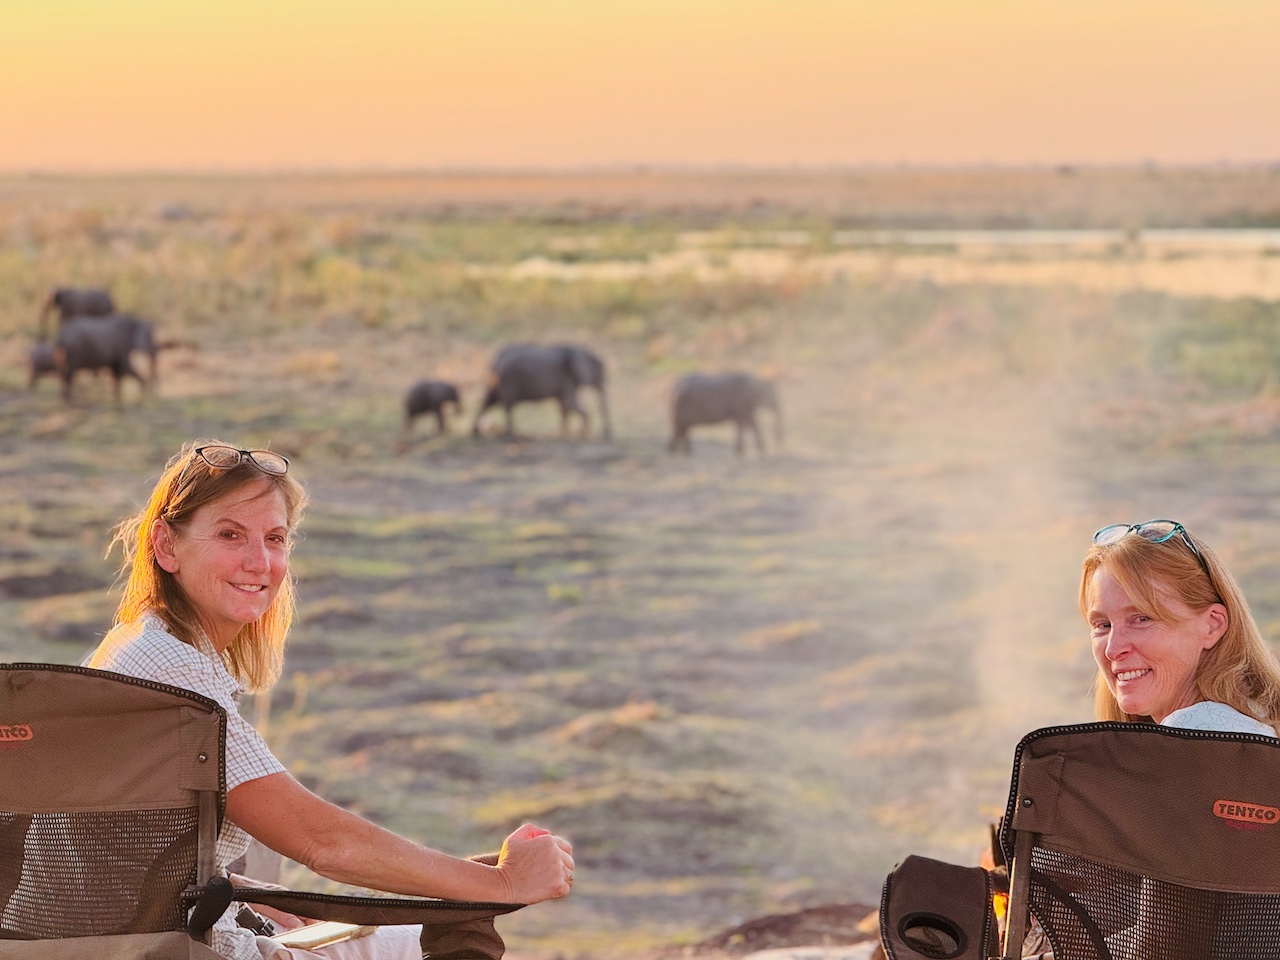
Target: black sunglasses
222, 457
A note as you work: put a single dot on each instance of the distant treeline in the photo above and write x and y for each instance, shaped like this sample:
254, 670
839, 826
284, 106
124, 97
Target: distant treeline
1060, 197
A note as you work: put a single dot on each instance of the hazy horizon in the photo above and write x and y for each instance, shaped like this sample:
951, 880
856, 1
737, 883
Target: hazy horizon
606, 169
422, 85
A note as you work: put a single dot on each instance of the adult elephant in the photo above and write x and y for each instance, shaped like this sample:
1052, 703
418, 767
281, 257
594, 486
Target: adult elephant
704, 398
71, 302
104, 343
526, 372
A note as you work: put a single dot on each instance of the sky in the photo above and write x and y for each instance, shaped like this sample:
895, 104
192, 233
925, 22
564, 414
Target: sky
119, 85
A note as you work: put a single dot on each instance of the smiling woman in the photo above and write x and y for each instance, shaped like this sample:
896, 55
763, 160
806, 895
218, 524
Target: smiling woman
212, 526
1172, 633
207, 606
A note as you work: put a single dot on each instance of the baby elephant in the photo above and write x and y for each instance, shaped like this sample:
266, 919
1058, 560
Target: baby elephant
717, 397
430, 396
40, 361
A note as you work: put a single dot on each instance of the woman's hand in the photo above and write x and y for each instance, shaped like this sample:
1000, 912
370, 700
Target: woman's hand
536, 865
282, 920
335, 843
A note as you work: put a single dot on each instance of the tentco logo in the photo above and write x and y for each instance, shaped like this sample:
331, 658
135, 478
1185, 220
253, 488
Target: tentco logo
11, 732
1247, 812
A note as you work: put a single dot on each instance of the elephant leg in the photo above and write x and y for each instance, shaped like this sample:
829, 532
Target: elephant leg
604, 415
738, 446
68, 381
440, 424
755, 431
564, 417
489, 401
569, 404
511, 420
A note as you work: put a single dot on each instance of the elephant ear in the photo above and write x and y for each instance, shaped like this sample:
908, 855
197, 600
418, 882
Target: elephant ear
585, 366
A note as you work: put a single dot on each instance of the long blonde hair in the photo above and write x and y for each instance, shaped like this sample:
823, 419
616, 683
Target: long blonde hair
1240, 670
256, 655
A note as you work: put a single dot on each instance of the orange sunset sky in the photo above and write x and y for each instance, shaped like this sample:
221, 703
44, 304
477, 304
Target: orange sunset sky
264, 84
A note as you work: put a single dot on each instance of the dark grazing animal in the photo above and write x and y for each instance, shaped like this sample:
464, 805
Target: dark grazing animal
70, 302
104, 343
430, 396
702, 398
525, 372
40, 362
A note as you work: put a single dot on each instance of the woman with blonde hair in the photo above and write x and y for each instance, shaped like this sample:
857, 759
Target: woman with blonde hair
207, 605
1173, 636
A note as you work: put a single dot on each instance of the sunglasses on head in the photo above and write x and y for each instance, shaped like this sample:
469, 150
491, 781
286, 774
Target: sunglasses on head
1157, 531
222, 457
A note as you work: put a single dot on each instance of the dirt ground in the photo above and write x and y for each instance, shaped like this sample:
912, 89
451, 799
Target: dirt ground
744, 687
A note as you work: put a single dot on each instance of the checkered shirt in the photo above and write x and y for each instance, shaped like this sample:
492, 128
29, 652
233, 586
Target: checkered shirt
146, 649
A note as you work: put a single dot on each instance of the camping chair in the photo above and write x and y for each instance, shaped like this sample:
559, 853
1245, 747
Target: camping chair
112, 791
1126, 841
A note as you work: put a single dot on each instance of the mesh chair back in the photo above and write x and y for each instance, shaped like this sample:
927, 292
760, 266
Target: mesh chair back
102, 781
1141, 842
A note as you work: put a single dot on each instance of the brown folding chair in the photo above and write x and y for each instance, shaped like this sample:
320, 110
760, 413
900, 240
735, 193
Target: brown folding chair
1130, 841
112, 792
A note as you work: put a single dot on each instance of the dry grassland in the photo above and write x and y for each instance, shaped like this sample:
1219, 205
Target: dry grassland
740, 686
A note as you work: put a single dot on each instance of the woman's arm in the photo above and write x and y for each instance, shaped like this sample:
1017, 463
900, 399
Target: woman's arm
338, 844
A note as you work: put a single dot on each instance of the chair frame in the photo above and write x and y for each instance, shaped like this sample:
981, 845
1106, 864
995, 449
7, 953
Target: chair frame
1100, 791
198, 739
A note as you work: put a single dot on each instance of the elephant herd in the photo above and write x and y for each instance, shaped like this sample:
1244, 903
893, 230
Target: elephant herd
527, 372
91, 335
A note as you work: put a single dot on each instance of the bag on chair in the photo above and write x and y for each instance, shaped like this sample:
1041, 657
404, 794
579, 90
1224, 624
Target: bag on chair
931, 910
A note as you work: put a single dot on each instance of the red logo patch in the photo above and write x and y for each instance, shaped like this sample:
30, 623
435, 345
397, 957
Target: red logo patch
13, 732
1246, 812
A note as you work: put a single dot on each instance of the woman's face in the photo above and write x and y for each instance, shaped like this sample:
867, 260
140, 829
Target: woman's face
230, 559
1149, 664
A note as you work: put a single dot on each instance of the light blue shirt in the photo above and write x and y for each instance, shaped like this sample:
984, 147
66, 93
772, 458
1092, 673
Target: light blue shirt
1211, 715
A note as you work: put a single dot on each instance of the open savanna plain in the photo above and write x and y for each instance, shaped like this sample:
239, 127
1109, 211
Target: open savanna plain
740, 686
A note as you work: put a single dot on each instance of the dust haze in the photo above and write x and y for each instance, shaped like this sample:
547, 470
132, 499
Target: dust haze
741, 686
